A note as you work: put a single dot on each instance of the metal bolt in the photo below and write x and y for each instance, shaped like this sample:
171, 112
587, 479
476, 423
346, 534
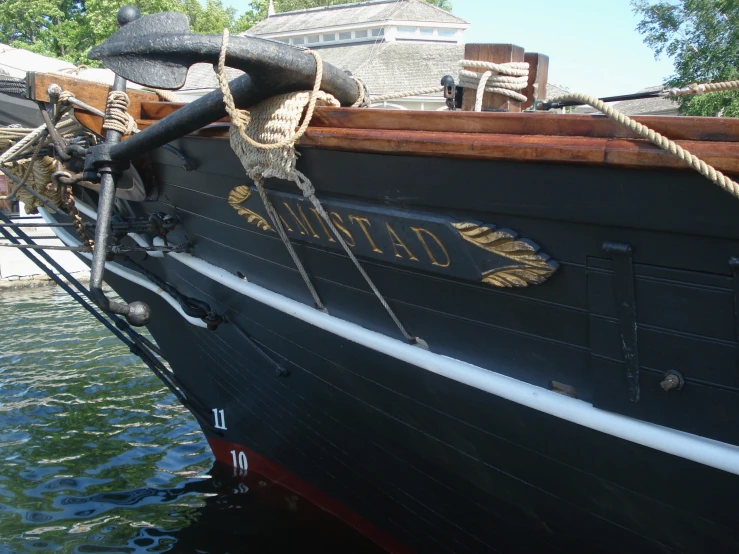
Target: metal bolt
54, 91
673, 380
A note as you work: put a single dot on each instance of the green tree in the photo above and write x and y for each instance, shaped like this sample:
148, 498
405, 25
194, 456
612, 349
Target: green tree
703, 38
67, 29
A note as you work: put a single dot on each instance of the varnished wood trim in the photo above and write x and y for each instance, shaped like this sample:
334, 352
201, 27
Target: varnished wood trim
92, 93
615, 152
549, 124
578, 150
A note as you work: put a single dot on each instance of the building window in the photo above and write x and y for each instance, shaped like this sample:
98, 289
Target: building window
312, 39
378, 32
298, 40
407, 30
360, 34
329, 38
427, 32
447, 33
345, 36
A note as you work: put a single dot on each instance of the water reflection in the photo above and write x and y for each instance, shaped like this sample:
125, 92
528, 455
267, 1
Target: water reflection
97, 456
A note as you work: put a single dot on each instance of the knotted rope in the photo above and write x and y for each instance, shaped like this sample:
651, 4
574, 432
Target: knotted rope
116, 116
729, 185
506, 79
264, 140
20, 149
499, 78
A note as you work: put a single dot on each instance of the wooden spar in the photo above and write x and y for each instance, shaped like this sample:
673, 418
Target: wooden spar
497, 53
90, 92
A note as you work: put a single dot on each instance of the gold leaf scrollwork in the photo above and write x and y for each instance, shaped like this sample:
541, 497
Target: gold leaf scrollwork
238, 196
529, 267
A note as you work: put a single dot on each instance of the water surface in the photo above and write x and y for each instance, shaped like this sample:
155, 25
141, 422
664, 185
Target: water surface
97, 456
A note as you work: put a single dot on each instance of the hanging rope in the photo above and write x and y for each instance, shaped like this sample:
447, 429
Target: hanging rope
507, 79
708, 171
264, 140
270, 160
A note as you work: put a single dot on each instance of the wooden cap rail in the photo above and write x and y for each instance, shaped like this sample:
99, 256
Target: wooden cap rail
534, 137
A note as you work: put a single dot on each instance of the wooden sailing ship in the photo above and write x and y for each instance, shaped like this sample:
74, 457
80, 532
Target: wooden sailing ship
570, 291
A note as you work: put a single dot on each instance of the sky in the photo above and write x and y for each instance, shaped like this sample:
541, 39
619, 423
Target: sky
593, 45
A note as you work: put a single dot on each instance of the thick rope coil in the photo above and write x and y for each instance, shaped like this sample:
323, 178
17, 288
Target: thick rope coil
240, 118
730, 186
116, 116
506, 79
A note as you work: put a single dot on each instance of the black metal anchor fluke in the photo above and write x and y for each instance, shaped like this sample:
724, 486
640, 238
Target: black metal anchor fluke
136, 313
157, 50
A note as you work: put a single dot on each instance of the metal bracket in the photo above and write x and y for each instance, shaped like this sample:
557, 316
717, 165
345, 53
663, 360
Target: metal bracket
450, 92
625, 299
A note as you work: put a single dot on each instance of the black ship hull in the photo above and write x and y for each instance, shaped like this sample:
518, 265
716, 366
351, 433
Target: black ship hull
430, 460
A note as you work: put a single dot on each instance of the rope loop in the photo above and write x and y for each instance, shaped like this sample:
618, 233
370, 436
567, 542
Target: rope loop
65, 96
116, 116
240, 118
506, 79
275, 120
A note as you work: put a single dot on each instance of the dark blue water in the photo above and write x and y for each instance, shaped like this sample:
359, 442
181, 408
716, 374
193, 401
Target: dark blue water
97, 456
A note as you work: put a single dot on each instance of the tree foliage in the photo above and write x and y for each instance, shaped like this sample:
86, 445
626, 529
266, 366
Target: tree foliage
703, 38
67, 29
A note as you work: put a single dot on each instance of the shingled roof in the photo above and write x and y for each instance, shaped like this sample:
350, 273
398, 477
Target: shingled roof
385, 68
644, 106
350, 14
397, 66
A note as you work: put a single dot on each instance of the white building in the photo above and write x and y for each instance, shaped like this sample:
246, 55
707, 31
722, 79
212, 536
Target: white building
392, 45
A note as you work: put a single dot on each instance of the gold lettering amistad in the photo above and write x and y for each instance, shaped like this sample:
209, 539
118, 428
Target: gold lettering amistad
336, 218
361, 222
420, 232
304, 226
329, 235
397, 242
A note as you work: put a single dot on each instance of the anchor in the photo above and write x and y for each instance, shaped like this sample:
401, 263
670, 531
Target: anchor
156, 51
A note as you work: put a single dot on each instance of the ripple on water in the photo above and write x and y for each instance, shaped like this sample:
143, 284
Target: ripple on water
97, 456
67, 484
